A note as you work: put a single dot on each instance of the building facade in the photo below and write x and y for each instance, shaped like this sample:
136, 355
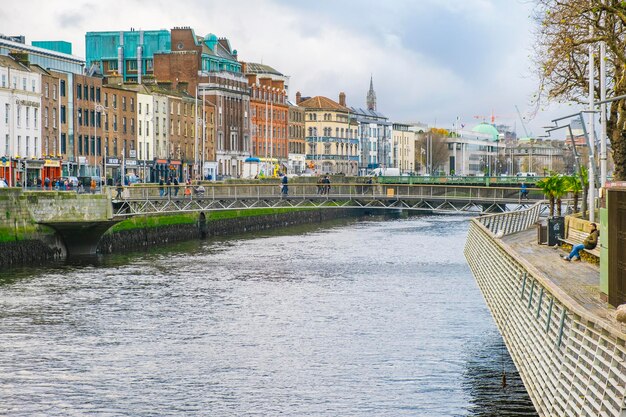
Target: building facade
120, 134
269, 112
129, 54
20, 127
297, 140
208, 67
331, 136
404, 148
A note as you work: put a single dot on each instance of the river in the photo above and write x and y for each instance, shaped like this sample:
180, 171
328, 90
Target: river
350, 318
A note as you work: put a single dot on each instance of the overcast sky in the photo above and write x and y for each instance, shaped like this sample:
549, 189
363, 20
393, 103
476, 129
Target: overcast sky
432, 60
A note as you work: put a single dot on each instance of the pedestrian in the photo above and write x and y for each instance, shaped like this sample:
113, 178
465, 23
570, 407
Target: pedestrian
46, 183
285, 188
523, 191
188, 188
320, 185
169, 186
326, 185
161, 189
589, 243
175, 186
119, 188
92, 186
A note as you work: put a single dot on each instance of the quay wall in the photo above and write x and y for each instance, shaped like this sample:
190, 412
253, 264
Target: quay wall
193, 227
571, 363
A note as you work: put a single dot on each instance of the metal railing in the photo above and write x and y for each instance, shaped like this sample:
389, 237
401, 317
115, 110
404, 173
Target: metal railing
513, 222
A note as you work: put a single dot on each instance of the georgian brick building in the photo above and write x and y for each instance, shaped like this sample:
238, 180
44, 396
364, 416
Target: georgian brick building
269, 111
208, 67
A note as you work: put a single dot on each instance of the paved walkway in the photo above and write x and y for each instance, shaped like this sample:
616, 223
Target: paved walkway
579, 279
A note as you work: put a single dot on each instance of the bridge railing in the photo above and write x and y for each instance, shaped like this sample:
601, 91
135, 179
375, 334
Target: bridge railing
514, 221
312, 190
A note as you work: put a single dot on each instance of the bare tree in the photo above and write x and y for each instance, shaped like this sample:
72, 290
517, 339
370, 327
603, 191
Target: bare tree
562, 48
438, 154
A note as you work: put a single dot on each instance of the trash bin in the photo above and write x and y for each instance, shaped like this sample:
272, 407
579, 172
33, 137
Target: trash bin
556, 230
542, 234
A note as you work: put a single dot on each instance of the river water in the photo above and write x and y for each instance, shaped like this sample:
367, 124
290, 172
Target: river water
351, 318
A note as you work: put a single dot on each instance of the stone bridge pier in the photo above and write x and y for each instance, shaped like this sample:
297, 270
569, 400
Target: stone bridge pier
79, 219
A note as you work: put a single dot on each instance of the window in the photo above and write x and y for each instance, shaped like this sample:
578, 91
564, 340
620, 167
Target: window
92, 93
139, 127
98, 94
113, 64
63, 143
7, 108
33, 85
79, 116
45, 117
62, 115
106, 99
86, 92
35, 117
93, 118
147, 108
24, 84
132, 125
62, 92
123, 103
115, 101
115, 122
79, 91
131, 65
54, 117
178, 107
156, 126
124, 125
6, 145
156, 106
132, 104
80, 144
4, 82
147, 128
19, 115
54, 91
139, 109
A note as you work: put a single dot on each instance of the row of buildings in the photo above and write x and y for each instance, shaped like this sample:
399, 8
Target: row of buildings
165, 103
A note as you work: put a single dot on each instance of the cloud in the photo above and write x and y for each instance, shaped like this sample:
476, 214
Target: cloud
431, 59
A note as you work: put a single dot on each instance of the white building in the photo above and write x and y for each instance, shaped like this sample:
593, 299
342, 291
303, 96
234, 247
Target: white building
20, 103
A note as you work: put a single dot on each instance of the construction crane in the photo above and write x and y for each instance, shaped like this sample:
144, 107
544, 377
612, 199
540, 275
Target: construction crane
522, 120
492, 117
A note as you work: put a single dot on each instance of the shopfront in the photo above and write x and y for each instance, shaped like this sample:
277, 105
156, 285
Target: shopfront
112, 169
51, 169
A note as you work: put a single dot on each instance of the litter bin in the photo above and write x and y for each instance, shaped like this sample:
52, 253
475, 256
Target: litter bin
556, 230
542, 234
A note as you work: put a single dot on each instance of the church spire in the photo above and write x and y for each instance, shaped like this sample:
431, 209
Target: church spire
371, 96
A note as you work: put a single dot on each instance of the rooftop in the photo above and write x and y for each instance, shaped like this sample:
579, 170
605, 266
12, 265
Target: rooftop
323, 103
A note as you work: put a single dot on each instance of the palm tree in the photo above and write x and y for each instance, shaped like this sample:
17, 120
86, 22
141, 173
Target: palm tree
574, 186
554, 187
548, 185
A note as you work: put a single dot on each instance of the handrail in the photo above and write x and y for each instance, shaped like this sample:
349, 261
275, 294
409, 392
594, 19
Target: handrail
512, 222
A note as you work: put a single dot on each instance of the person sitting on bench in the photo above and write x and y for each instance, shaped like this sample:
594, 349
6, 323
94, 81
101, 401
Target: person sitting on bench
589, 243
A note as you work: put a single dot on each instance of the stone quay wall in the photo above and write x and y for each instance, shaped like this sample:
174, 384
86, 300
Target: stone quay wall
139, 238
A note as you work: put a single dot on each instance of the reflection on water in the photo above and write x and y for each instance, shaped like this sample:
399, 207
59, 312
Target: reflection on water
372, 318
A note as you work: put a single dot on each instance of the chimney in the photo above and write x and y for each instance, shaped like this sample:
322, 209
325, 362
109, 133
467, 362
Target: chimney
298, 98
342, 99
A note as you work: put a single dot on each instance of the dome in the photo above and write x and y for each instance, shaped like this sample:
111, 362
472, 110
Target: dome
487, 129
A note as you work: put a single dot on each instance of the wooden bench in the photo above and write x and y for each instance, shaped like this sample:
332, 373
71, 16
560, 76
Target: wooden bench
575, 236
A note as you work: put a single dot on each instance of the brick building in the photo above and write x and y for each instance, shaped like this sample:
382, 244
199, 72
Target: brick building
54, 126
297, 141
120, 135
84, 153
268, 113
208, 67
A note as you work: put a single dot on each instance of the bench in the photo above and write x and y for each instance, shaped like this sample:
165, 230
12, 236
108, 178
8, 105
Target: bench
574, 235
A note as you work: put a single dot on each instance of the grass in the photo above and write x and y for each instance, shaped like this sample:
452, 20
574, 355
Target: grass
141, 222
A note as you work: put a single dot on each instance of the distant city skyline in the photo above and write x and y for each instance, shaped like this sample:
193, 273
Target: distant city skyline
431, 60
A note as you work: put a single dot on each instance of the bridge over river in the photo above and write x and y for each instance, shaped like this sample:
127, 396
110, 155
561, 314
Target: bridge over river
152, 199
81, 219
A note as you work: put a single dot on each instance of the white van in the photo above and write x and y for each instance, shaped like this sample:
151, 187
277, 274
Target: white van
384, 172
526, 174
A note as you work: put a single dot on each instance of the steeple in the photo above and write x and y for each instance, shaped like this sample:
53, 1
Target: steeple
371, 96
